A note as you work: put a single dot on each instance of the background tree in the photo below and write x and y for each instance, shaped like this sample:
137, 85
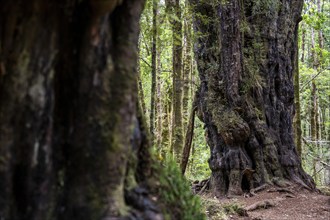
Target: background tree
153, 69
314, 86
174, 12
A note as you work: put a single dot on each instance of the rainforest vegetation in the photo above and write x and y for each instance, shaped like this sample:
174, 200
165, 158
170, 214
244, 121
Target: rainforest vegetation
164, 109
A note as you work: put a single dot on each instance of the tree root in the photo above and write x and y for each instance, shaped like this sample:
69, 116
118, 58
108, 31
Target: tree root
258, 189
199, 187
204, 187
285, 190
263, 204
288, 196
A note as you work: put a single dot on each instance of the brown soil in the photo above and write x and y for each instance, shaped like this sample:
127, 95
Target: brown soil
298, 205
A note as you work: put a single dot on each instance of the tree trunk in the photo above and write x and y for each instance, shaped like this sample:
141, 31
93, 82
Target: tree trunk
188, 138
297, 115
314, 112
140, 87
159, 98
187, 65
320, 35
173, 7
72, 141
153, 69
246, 61
303, 35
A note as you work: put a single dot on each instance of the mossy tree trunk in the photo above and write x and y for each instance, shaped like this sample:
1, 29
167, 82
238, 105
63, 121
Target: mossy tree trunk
187, 65
72, 140
174, 10
246, 60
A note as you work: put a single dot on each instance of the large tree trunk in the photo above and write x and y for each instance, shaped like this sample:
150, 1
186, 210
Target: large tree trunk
72, 141
297, 113
246, 61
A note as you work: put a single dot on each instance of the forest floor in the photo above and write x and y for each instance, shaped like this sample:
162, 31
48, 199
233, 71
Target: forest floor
270, 204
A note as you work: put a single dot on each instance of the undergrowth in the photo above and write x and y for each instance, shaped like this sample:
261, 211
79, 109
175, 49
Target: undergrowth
175, 194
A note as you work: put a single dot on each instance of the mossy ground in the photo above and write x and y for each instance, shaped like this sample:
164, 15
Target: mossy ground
175, 195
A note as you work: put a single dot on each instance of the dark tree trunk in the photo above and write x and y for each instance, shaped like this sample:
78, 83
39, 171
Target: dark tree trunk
246, 60
188, 138
153, 70
72, 141
297, 113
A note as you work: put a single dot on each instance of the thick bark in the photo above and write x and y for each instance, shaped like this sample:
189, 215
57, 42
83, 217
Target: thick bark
26, 108
297, 116
72, 141
246, 59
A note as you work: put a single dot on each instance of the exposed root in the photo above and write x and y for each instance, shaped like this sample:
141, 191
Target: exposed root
204, 187
281, 190
288, 196
263, 204
300, 182
199, 187
281, 183
258, 189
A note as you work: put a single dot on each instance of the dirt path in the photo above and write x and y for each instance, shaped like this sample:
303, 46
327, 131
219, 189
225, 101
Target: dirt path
298, 205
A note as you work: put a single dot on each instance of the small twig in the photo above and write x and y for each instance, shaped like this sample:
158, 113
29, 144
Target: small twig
145, 61
311, 80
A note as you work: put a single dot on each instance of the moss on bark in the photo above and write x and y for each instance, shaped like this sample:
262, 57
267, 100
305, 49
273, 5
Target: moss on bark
246, 92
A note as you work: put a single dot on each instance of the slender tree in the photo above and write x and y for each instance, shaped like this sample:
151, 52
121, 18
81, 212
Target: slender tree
153, 69
187, 64
174, 11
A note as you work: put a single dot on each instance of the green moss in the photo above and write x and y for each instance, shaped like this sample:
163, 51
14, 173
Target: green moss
213, 208
265, 7
175, 194
234, 208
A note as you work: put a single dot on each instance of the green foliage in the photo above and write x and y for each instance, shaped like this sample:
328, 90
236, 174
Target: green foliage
314, 67
213, 209
234, 208
198, 166
175, 194
265, 7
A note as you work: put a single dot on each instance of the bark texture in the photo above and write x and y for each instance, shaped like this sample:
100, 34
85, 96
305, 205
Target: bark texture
297, 113
246, 60
72, 140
